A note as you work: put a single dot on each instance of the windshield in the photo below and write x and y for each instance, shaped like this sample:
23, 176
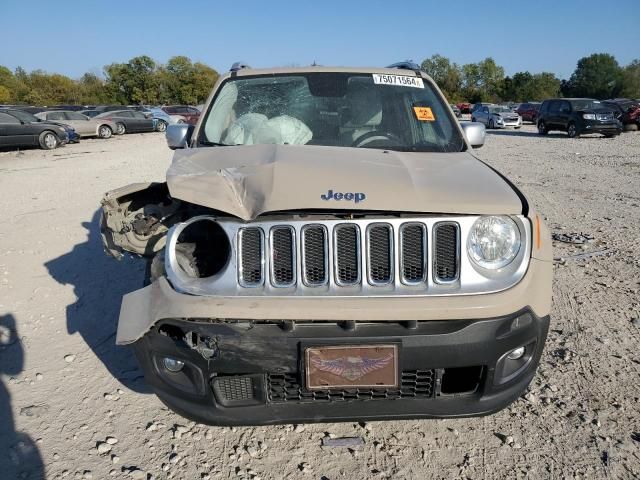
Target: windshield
394, 112
24, 116
586, 104
500, 109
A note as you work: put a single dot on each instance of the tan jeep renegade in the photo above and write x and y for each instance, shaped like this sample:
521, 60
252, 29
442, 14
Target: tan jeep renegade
327, 248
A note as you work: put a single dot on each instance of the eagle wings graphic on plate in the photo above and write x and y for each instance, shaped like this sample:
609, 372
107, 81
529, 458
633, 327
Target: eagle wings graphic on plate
351, 368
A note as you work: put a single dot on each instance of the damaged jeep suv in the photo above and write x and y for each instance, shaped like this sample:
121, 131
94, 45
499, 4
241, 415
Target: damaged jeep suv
327, 248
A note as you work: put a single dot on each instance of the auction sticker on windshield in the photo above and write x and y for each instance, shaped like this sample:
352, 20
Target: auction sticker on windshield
399, 80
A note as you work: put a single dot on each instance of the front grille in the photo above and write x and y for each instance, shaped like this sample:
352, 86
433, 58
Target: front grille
283, 256
251, 246
603, 117
283, 388
346, 254
235, 388
446, 238
413, 253
380, 251
315, 255
347, 248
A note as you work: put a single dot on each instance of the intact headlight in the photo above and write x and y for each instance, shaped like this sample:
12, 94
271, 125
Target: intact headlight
589, 116
494, 241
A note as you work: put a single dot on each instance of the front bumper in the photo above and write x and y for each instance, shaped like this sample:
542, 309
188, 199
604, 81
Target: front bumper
595, 126
248, 373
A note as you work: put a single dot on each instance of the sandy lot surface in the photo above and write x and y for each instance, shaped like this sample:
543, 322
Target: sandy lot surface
73, 405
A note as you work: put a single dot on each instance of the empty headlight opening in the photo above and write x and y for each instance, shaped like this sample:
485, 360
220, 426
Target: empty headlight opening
202, 249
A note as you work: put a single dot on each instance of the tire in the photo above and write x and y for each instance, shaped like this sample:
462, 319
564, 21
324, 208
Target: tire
631, 127
572, 130
104, 131
162, 126
492, 125
48, 140
121, 129
473, 119
542, 128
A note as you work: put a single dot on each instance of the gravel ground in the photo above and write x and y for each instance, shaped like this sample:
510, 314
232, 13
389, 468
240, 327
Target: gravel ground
73, 405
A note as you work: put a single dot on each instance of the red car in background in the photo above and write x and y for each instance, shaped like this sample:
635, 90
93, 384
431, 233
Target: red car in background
464, 107
191, 114
627, 111
528, 111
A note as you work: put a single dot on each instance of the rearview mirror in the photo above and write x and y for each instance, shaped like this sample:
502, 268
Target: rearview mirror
179, 135
474, 132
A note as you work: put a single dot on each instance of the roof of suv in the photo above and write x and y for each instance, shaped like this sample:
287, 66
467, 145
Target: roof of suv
245, 72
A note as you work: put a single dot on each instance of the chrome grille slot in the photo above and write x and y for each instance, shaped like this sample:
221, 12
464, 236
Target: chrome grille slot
315, 255
446, 256
283, 253
413, 253
250, 257
380, 253
347, 254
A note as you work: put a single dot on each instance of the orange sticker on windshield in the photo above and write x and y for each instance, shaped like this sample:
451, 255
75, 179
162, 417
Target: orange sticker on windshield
424, 114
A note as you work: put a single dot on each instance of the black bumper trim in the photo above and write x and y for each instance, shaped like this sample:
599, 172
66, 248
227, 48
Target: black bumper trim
262, 349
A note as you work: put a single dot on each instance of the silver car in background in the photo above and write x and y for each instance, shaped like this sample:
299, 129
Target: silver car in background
82, 124
497, 116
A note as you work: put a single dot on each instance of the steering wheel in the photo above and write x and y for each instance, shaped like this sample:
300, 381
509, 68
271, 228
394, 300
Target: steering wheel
375, 136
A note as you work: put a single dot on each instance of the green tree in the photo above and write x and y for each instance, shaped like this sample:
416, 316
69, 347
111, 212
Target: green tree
5, 94
134, 82
630, 80
597, 75
445, 73
524, 86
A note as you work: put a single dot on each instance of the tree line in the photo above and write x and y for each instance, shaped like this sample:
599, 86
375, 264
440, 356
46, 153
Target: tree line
142, 80
596, 76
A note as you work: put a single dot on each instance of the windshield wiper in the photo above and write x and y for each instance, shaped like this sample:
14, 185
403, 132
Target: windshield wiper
216, 144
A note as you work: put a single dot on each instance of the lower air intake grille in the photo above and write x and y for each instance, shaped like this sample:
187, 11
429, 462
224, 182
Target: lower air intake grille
445, 262
347, 245
282, 256
285, 388
233, 389
251, 246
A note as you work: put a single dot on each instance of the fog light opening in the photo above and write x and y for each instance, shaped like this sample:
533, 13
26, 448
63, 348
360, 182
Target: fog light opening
172, 364
516, 353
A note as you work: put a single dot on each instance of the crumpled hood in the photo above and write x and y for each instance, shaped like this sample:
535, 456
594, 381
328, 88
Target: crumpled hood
247, 181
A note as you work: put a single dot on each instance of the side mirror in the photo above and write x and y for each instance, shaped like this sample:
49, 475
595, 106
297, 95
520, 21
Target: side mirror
474, 132
179, 135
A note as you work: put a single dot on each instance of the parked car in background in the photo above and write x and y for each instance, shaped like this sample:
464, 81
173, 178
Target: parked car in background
456, 110
476, 106
496, 116
163, 119
626, 111
91, 113
577, 116
528, 111
191, 114
464, 107
129, 121
21, 129
83, 125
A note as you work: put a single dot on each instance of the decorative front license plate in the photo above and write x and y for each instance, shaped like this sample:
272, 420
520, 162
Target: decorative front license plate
351, 366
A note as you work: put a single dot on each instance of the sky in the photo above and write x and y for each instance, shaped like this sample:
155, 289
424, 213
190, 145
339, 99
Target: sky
77, 36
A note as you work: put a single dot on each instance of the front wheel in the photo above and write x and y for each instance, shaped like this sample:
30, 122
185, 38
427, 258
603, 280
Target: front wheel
105, 131
572, 131
48, 140
473, 119
492, 124
120, 128
162, 126
542, 128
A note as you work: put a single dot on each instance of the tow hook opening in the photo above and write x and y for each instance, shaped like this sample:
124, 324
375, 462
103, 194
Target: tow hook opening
206, 346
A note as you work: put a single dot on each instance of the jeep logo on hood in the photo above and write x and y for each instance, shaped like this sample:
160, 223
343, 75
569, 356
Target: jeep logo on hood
348, 196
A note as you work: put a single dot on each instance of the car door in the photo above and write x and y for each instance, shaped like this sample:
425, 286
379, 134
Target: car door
143, 124
80, 123
126, 117
13, 132
483, 115
564, 115
553, 114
